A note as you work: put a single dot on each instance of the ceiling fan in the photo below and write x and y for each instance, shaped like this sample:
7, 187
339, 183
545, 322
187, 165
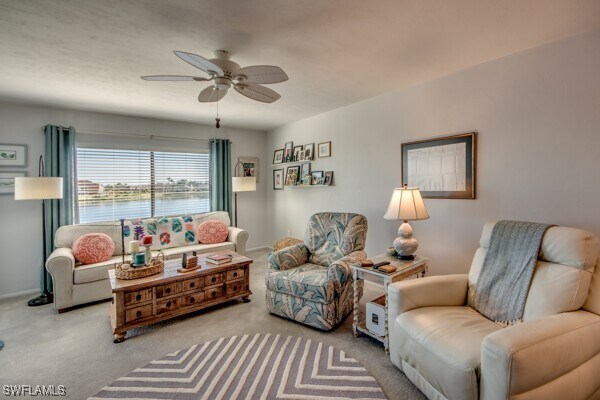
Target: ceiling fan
225, 73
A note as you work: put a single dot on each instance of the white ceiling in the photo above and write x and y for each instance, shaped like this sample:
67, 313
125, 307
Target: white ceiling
89, 54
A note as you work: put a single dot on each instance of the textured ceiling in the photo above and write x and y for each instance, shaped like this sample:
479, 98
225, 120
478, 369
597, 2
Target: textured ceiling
89, 54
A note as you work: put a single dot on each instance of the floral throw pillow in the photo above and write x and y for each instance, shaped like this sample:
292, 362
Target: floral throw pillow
212, 232
93, 248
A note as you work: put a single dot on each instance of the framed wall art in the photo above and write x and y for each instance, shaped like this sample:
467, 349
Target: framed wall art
291, 176
316, 175
278, 156
324, 149
288, 149
442, 168
278, 179
297, 151
309, 151
250, 165
7, 181
13, 155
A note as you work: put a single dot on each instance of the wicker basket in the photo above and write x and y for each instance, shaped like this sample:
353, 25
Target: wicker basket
156, 266
286, 242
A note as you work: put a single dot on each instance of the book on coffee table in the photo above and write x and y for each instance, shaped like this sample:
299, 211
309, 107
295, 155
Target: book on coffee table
218, 259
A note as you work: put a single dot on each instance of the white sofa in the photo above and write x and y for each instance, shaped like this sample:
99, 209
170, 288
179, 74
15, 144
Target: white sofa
79, 284
452, 352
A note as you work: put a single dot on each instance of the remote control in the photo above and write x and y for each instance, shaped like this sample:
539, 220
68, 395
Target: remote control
381, 264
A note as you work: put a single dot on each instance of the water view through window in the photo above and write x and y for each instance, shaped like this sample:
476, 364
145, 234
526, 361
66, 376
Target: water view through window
114, 184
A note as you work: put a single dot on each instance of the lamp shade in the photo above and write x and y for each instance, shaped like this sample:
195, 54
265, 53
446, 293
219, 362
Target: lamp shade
407, 205
243, 184
40, 188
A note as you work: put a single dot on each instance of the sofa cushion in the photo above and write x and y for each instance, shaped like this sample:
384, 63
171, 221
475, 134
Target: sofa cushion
166, 232
308, 281
93, 248
447, 339
330, 236
97, 271
212, 232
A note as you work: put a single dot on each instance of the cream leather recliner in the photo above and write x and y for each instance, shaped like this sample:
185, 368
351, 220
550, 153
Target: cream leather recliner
452, 352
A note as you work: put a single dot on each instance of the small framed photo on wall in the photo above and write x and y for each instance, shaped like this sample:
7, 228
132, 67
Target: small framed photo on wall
309, 151
278, 179
316, 175
297, 151
278, 156
288, 149
13, 155
324, 149
7, 180
328, 178
291, 176
250, 165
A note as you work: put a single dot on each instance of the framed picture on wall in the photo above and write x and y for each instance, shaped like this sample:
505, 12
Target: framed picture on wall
291, 175
328, 178
7, 181
250, 165
324, 149
278, 156
306, 174
288, 149
278, 179
442, 168
13, 155
297, 151
316, 175
309, 151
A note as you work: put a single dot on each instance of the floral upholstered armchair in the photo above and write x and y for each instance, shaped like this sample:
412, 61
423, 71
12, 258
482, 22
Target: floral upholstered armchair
311, 282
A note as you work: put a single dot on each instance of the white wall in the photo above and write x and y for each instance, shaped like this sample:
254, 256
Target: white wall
20, 236
538, 118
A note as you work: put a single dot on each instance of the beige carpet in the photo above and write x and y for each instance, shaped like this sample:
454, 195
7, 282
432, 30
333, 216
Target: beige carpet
76, 348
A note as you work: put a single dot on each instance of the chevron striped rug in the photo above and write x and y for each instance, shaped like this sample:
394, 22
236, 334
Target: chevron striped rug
249, 367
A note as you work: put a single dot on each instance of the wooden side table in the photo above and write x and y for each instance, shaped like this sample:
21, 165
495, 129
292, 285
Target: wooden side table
405, 269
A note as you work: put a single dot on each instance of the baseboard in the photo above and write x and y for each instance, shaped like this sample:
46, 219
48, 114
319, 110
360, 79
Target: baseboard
17, 294
260, 248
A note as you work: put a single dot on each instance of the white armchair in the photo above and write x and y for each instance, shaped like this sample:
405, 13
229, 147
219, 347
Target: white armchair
450, 351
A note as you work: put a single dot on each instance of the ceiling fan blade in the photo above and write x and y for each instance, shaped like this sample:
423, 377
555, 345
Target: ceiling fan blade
211, 95
199, 62
257, 92
173, 78
261, 74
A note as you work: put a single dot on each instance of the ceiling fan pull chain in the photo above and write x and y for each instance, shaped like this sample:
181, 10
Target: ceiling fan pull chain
218, 124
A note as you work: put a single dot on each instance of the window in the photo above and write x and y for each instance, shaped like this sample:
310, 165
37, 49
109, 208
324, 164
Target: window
114, 184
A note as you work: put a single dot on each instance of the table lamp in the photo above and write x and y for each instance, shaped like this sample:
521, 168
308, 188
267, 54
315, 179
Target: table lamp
40, 188
241, 184
406, 205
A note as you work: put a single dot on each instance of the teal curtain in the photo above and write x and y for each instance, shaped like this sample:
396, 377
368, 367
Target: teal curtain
220, 175
60, 160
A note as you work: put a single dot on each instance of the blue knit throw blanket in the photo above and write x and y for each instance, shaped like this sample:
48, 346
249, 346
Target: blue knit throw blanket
503, 283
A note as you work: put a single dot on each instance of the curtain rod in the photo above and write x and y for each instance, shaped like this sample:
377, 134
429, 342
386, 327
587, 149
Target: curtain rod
88, 131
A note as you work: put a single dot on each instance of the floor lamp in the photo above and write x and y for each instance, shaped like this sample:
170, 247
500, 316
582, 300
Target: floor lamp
40, 188
241, 184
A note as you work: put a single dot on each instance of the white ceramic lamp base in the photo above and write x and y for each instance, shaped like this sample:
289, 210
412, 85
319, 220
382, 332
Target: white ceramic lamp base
405, 244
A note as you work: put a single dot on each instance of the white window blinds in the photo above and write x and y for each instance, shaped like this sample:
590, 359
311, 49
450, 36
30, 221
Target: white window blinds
115, 184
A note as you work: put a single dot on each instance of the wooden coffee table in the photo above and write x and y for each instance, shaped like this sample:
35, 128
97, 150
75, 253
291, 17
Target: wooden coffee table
140, 302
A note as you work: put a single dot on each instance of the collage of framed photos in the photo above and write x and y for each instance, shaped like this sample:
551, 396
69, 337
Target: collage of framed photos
301, 174
291, 153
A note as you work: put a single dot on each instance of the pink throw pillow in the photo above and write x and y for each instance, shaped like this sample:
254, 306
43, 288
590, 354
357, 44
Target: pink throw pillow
93, 248
211, 232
